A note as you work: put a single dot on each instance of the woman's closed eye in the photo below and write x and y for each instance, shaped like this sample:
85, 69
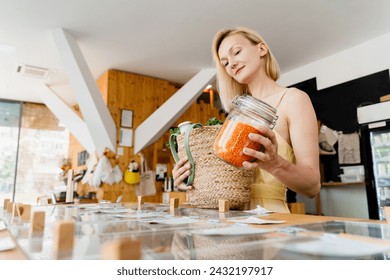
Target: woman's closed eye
224, 62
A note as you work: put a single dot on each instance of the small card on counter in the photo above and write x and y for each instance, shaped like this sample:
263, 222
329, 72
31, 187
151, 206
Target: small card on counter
256, 221
259, 211
230, 230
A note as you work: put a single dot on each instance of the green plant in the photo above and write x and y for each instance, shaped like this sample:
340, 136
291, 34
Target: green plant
214, 121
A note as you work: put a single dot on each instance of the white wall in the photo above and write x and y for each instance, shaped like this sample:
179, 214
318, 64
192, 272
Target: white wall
341, 201
365, 59
344, 201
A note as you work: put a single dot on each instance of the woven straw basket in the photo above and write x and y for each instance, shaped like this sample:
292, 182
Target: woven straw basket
188, 246
213, 178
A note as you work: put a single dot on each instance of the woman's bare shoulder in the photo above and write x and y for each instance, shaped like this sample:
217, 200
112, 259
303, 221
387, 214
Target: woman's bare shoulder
296, 104
295, 96
295, 92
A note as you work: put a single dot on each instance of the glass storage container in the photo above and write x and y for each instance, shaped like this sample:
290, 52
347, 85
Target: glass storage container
247, 115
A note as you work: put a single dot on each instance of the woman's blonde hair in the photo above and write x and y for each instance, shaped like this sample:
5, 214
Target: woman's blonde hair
227, 86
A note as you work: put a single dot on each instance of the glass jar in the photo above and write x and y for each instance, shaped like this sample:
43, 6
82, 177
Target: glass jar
183, 126
247, 115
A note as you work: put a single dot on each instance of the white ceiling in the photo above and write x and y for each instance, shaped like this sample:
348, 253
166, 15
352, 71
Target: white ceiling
170, 39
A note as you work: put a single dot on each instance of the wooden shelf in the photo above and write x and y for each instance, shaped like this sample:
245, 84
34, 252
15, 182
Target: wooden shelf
341, 184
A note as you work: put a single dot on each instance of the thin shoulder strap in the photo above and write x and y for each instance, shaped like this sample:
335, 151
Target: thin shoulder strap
280, 99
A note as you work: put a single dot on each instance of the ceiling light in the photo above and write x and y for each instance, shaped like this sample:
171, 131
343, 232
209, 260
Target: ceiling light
208, 87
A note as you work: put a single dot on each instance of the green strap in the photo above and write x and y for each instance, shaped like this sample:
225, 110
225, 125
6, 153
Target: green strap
190, 178
172, 140
172, 147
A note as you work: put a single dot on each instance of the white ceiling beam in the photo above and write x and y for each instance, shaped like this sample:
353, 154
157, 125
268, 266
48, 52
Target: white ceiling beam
96, 115
65, 115
162, 119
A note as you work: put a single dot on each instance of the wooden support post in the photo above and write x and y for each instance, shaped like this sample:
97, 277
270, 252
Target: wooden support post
16, 215
63, 239
121, 249
173, 203
36, 232
25, 210
6, 200
37, 224
10, 205
223, 205
140, 202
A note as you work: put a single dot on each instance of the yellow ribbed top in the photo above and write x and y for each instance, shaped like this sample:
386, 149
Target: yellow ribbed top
266, 190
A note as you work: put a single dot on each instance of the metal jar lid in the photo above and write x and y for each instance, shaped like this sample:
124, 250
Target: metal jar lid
256, 107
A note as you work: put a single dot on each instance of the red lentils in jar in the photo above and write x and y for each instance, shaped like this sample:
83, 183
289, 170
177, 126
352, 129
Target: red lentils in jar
248, 114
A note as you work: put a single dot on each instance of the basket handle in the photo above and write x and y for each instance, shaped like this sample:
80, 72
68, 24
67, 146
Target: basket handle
172, 140
172, 147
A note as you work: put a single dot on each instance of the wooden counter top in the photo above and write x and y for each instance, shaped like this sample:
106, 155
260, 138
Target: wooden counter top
341, 184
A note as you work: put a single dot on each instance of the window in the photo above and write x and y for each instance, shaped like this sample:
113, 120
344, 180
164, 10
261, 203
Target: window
9, 135
37, 146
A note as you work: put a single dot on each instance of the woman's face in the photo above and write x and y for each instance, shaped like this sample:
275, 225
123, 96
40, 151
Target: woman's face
240, 58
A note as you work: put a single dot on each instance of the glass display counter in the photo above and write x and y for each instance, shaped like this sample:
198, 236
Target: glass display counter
190, 233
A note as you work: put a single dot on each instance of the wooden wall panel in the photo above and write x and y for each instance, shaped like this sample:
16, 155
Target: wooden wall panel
143, 95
